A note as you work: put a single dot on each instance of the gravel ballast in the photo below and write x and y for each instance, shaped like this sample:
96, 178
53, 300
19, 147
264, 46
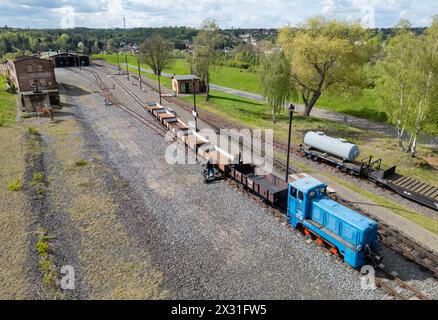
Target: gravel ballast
209, 241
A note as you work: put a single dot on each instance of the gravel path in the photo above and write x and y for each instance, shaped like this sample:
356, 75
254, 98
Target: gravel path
209, 241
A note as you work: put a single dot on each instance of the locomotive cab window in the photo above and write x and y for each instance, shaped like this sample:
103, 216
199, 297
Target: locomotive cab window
300, 195
293, 192
312, 195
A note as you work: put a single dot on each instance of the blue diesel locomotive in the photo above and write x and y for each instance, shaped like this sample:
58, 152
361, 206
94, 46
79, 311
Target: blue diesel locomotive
347, 232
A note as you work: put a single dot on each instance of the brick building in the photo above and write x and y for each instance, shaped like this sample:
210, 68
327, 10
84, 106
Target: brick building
35, 81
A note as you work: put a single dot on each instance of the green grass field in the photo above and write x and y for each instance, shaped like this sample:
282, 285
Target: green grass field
364, 105
7, 105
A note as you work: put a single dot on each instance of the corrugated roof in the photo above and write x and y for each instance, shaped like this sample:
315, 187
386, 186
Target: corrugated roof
187, 77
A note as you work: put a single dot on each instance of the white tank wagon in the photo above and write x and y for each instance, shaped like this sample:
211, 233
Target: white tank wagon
333, 146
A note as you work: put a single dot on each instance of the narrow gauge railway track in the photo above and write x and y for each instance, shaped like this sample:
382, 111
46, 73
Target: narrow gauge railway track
151, 122
105, 91
408, 188
390, 237
391, 283
388, 281
397, 287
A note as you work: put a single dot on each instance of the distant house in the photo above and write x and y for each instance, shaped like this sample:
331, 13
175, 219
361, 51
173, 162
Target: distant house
184, 84
35, 81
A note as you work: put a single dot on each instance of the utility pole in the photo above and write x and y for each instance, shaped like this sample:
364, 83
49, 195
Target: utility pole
124, 23
126, 62
139, 73
195, 114
291, 112
118, 62
159, 85
194, 104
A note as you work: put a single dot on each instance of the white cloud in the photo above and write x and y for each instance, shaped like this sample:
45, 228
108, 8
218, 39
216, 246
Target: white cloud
229, 13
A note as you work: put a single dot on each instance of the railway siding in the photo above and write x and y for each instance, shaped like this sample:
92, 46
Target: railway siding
232, 249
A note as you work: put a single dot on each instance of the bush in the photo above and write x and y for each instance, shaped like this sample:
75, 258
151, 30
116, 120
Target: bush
42, 248
38, 177
16, 185
33, 131
81, 163
234, 64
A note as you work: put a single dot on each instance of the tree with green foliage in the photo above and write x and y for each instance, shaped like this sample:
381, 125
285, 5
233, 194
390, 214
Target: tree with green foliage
204, 55
62, 41
156, 52
325, 55
393, 86
424, 81
408, 85
275, 81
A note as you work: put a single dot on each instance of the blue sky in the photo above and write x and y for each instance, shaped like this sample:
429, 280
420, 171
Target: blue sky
229, 13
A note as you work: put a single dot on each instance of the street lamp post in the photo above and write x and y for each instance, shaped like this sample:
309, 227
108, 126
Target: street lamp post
194, 104
139, 74
195, 114
118, 61
291, 112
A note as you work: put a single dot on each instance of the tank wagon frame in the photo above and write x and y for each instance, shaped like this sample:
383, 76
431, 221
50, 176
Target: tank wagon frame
372, 170
353, 167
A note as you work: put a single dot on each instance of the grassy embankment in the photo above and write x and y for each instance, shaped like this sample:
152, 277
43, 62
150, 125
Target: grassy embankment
14, 226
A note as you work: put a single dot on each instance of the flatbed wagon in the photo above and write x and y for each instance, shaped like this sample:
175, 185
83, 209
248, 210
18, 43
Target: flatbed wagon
268, 186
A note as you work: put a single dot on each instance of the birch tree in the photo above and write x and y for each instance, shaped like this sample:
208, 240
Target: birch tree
393, 86
424, 87
408, 85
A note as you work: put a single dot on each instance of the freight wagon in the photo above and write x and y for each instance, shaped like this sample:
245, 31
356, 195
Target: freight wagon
269, 187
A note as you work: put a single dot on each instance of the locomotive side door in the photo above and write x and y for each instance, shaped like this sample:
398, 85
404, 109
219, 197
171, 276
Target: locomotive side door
292, 201
300, 200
